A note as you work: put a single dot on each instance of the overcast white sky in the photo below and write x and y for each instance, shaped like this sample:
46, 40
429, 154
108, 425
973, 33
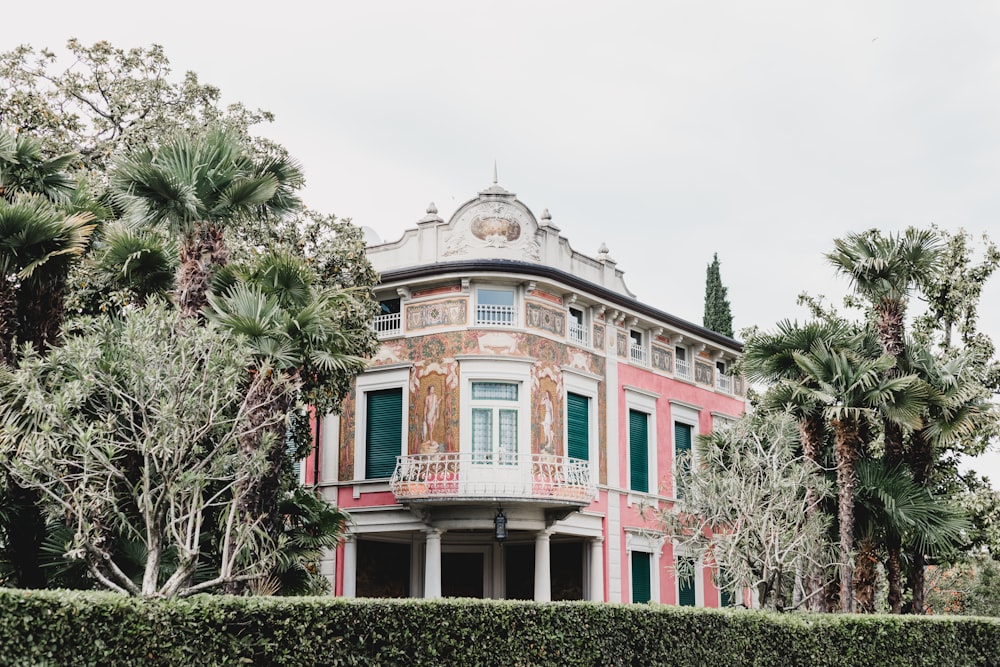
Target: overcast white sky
669, 130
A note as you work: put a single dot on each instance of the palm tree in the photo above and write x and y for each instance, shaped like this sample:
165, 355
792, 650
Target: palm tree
958, 406
853, 388
293, 327
37, 244
24, 168
890, 501
198, 187
770, 358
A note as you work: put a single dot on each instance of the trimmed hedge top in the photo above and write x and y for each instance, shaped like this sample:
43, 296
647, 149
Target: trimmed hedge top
86, 628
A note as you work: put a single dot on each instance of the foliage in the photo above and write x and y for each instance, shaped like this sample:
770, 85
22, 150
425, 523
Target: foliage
131, 428
749, 502
718, 316
108, 101
60, 627
969, 588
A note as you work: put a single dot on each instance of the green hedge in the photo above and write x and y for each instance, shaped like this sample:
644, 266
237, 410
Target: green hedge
77, 628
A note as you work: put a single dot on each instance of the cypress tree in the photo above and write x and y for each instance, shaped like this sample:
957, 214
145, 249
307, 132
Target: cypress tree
718, 316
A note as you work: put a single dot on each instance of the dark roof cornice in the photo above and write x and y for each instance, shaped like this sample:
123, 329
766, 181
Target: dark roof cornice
542, 271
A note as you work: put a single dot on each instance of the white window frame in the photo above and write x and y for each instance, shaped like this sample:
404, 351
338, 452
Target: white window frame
638, 353
723, 382
643, 401
584, 385
584, 337
509, 370
644, 543
389, 377
699, 577
515, 300
688, 414
688, 362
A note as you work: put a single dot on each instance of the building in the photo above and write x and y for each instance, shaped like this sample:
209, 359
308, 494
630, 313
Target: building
520, 389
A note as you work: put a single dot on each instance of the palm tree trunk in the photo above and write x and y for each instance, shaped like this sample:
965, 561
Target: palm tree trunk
865, 575
812, 430
845, 446
202, 251
920, 462
894, 573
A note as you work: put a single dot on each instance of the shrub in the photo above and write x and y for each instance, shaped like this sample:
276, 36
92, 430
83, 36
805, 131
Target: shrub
86, 628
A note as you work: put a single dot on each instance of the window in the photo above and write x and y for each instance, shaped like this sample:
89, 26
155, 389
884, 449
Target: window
389, 321
637, 350
495, 307
641, 588
723, 381
577, 426
494, 422
682, 453
381, 410
638, 446
577, 327
383, 431
682, 366
686, 573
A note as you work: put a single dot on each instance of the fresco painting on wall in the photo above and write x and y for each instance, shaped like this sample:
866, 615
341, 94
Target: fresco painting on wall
599, 336
662, 359
702, 373
545, 318
445, 312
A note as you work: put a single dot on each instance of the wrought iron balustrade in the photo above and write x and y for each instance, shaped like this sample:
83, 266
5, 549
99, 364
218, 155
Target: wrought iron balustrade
460, 476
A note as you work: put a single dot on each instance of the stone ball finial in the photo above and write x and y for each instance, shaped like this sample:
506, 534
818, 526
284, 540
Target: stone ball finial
602, 252
546, 215
432, 209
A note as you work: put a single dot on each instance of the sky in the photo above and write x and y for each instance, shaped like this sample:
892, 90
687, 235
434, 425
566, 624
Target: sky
669, 130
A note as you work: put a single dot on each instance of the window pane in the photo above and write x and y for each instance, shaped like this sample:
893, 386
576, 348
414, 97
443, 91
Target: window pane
482, 435
496, 297
494, 391
508, 437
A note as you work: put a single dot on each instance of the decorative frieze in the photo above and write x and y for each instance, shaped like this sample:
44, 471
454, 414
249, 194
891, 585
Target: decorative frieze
545, 318
447, 312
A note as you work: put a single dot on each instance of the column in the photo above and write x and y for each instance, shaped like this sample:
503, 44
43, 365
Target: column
350, 567
543, 568
597, 570
654, 572
432, 563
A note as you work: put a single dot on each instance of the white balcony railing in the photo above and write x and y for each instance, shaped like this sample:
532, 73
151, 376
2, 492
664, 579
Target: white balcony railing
388, 325
454, 476
682, 368
724, 382
638, 355
577, 333
500, 316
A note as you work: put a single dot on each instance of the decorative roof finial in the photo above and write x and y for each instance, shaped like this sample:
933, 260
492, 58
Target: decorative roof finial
494, 172
602, 253
432, 209
546, 215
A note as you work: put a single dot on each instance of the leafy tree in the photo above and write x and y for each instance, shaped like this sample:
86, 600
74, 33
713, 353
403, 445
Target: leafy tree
108, 101
718, 316
749, 503
131, 427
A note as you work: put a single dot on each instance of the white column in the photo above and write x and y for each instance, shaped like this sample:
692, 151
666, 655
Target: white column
432, 563
597, 570
350, 567
654, 572
543, 568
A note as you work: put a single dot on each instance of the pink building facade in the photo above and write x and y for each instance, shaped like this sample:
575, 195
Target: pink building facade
519, 422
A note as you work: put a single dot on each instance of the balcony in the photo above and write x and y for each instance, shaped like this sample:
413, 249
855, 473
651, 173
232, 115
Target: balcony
638, 355
388, 325
497, 316
682, 369
724, 382
577, 333
541, 479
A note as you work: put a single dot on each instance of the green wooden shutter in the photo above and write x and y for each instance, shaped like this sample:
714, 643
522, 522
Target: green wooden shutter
640, 577
638, 444
685, 590
578, 426
726, 598
384, 432
682, 446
